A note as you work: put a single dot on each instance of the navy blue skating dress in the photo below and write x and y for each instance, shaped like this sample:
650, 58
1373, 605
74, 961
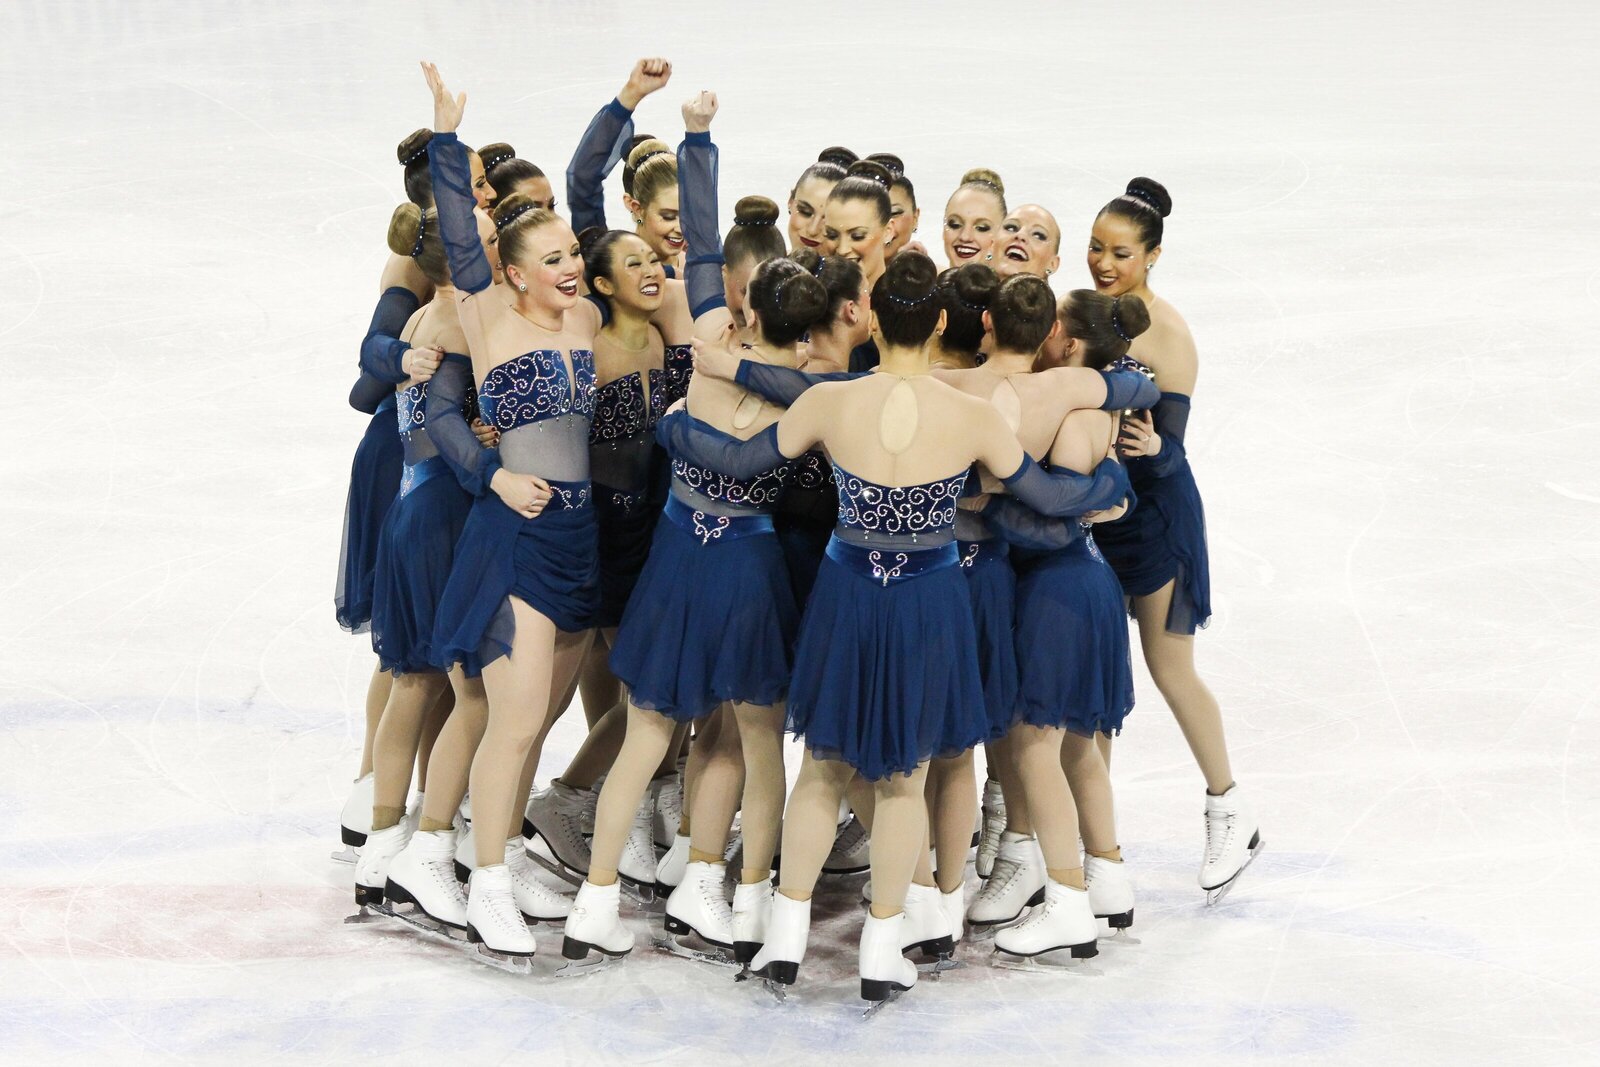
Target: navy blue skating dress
1164, 539
418, 544
713, 618
375, 470
886, 671
542, 411
625, 463
992, 587
1074, 666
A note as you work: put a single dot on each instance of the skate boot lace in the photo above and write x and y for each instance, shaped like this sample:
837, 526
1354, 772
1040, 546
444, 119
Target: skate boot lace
716, 904
1219, 834
1005, 872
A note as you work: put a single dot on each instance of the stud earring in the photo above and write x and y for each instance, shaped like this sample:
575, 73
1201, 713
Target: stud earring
522, 287
638, 221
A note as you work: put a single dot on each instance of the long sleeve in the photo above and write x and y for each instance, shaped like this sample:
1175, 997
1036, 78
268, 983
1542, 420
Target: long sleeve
446, 422
368, 393
452, 195
382, 351
687, 438
1171, 417
1025, 528
697, 215
1127, 389
781, 385
599, 151
1068, 492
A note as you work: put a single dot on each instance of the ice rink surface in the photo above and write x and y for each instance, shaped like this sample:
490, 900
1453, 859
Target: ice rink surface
1386, 241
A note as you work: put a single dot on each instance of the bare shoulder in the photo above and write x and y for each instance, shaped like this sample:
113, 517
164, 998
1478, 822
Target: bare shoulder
402, 272
583, 318
1168, 348
709, 327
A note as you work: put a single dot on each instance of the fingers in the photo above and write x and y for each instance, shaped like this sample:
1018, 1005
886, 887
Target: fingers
540, 484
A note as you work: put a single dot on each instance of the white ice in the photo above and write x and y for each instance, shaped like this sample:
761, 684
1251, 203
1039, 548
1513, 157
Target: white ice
1385, 239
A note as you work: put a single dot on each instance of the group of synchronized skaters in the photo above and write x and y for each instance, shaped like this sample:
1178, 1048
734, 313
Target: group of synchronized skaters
729, 487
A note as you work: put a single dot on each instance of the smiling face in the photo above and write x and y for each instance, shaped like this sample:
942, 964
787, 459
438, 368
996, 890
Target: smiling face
1030, 243
636, 277
549, 264
903, 216
971, 225
1118, 262
852, 229
806, 205
659, 226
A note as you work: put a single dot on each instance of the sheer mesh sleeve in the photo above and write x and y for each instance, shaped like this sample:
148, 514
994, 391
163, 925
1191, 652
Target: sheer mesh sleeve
781, 385
686, 437
382, 351
1171, 417
1025, 528
599, 151
1128, 389
368, 393
1068, 492
697, 215
444, 415
452, 195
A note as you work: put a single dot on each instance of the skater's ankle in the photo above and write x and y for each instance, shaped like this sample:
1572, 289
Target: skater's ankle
600, 879
883, 911
385, 817
956, 883
753, 876
1114, 855
683, 822
795, 895
697, 856
432, 826
1071, 877
929, 883
1220, 792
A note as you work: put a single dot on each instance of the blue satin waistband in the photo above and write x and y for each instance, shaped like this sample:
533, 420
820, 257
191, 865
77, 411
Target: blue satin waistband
885, 565
994, 550
415, 474
708, 527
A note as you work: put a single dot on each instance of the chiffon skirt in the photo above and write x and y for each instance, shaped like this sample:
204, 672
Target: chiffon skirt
374, 483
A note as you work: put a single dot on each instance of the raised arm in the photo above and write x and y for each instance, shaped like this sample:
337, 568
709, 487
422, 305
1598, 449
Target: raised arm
605, 142
697, 206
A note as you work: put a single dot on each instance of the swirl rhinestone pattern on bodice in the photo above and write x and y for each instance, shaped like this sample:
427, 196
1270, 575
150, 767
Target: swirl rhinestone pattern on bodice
894, 510
411, 407
670, 384
811, 472
620, 411
1129, 363
534, 386
762, 492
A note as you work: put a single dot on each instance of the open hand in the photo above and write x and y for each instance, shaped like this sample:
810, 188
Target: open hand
526, 494
1139, 437
446, 111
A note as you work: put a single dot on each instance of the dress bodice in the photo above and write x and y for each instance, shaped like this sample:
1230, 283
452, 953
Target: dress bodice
670, 384
760, 493
922, 514
535, 386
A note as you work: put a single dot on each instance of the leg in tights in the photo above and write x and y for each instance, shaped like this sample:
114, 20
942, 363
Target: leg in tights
705, 738
598, 688
377, 700
1103, 743
519, 687
952, 815
900, 833
432, 723
1003, 753
451, 760
1170, 658
761, 742
859, 793
394, 749
716, 796
1090, 783
649, 735
570, 649
809, 824
599, 749
1055, 817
